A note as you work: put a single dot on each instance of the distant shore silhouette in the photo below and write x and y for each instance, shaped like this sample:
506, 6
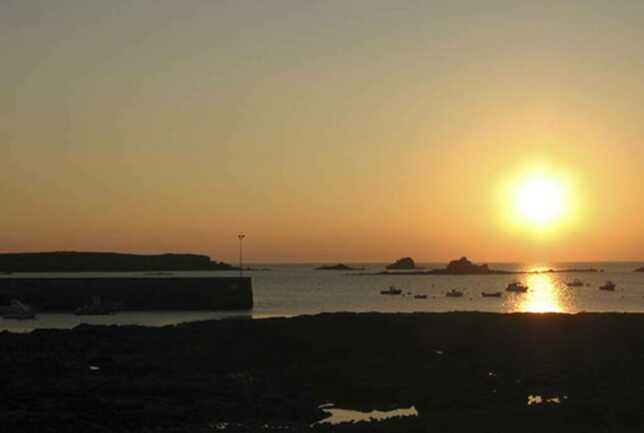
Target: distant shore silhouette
463, 266
71, 261
338, 267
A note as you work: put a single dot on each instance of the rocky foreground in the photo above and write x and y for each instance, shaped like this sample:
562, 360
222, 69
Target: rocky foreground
464, 372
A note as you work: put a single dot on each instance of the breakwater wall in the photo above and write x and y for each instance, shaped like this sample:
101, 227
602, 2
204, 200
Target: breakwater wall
131, 293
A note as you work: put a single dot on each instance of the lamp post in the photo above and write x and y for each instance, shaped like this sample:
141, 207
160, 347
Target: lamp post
241, 259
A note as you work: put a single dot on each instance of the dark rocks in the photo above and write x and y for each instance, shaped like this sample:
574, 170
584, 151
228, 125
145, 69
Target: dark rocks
639, 270
463, 372
403, 263
338, 267
463, 266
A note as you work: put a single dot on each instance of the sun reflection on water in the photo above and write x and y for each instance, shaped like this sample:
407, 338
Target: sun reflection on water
543, 296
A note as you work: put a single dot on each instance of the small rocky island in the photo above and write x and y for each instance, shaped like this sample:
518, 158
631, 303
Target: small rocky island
338, 267
463, 266
405, 263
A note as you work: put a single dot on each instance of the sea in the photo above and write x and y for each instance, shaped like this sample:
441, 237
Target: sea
287, 290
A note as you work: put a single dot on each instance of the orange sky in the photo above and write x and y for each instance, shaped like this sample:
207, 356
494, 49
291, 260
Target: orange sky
326, 131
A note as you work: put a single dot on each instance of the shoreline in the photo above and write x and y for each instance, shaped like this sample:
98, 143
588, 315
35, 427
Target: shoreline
462, 371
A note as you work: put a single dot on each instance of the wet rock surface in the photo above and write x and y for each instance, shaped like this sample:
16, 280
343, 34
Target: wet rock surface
461, 371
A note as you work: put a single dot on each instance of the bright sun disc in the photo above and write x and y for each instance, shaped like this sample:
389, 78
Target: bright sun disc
540, 200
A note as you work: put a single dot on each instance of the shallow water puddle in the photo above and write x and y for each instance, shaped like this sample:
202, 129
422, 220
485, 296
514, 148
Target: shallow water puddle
337, 415
537, 399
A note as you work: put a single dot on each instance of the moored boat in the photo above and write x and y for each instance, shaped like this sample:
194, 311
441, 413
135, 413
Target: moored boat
420, 296
608, 286
18, 311
454, 293
575, 283
516, 287
491, 294
391, 291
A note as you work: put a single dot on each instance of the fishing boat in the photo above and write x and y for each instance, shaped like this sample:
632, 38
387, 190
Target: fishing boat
391, 291
516, 287
454, 293
608, 286
575, 283
420, 296
18, 311
491, 294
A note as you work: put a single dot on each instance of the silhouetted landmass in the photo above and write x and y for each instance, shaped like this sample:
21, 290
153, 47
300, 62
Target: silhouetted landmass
338, 267
463, 266
403, 263
107, 262
464, 372
559, 271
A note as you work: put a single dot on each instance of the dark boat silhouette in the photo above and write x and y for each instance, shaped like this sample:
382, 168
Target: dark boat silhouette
609, 286
516, 287
575, 283
391, 291
18, 311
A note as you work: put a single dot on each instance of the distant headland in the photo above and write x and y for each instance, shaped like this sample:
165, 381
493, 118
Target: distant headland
71, 261
338, 267
463, 266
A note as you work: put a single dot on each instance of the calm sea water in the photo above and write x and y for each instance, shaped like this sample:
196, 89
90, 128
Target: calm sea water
290, 290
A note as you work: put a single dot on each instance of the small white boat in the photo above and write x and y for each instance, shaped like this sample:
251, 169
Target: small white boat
608, 286
391, 291
454, 293
18, 311
516, 287
575, 283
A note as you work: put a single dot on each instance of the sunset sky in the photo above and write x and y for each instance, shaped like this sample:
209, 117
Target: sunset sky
325, 130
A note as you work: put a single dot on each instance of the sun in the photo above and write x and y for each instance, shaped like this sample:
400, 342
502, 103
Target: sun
540, 200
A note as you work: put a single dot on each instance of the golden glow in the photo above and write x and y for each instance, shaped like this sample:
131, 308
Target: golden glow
540, 200
176, 143
543, 295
